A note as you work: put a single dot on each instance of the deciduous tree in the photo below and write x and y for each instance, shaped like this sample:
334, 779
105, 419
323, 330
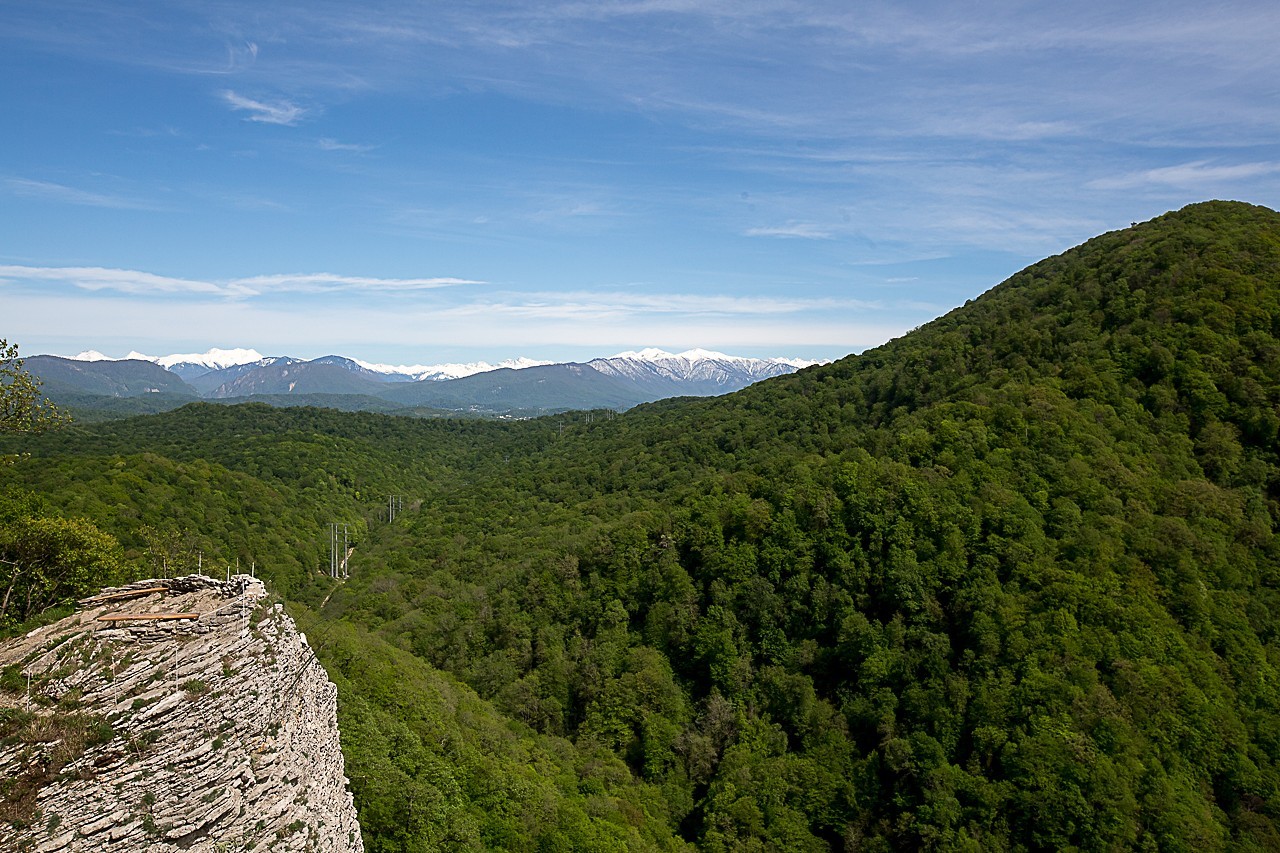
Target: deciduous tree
22, 408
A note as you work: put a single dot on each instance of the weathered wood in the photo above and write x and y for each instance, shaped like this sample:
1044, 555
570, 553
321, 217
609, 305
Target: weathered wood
145, 617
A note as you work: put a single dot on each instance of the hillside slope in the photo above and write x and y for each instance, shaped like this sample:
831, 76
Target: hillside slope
129, 378
286, 376
550, 386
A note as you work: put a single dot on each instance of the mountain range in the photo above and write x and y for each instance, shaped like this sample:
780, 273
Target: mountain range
93, 381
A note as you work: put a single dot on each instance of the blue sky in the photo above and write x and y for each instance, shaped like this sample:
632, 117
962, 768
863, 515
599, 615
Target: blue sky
414, 182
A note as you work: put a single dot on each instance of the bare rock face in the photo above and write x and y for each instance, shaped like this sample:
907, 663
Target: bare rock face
171, 715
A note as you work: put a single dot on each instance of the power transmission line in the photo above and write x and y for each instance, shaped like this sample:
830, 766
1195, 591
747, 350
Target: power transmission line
339, 548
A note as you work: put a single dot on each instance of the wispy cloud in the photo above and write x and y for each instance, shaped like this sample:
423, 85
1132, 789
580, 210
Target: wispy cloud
277, 112
239, 55
802, 230
326, 144
1192, 175
50, 191
612, 305
138, 283
132, 282
328, 283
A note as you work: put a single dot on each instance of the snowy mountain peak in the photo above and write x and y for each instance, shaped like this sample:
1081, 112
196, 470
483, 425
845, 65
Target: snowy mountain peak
647, 354
798, 363
696, 355
699, 354
451, 370
90, 355
214, 359
653, 354
712, 372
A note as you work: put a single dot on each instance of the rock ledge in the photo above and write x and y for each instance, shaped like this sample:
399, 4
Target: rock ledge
167, 715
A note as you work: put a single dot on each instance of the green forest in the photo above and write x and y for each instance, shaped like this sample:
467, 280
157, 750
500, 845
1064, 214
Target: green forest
1010, 582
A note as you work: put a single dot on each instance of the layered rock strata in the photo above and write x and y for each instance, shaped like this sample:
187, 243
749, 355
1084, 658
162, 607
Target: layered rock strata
168, 715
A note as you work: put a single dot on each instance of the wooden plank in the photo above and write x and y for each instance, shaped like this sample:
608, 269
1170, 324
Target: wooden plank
145, 617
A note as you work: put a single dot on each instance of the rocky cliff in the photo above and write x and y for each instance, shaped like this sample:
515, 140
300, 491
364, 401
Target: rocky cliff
169, 715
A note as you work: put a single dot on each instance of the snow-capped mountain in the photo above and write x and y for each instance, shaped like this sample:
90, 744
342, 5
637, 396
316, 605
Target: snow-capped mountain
90, 355
192, 365
214, 359
520, 384
696, 367
212, 381
452, 370
85, 375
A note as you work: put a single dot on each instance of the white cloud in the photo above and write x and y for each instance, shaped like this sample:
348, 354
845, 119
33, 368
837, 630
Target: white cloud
1186, 175
328, 283
280, 112
135, 282
122, 281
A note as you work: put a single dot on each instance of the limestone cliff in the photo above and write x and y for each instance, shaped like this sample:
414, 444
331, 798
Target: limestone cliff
171, 715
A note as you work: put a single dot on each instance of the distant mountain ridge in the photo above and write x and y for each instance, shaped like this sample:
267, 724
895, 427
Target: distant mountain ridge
104, 377
695, 372
521, 385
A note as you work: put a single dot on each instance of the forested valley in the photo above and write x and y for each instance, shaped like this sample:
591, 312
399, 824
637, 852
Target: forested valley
1008, 582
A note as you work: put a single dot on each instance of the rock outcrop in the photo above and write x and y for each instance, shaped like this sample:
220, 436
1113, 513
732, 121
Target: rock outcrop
169, 715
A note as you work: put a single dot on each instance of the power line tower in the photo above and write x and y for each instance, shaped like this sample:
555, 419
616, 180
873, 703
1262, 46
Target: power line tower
395, 506
339, 547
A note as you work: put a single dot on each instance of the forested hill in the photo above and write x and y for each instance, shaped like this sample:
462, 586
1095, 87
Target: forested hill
1186, 300
1009, 582
1178, 313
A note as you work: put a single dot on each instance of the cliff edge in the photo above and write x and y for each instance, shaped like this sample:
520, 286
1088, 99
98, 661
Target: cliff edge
167, 715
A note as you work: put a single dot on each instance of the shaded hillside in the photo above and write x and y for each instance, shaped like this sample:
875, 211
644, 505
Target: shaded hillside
551, 386
436, 767
208, 380
1006, 583
291, 377
129, 378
